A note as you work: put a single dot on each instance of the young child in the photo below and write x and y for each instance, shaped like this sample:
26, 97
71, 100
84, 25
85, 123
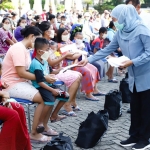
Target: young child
40, 68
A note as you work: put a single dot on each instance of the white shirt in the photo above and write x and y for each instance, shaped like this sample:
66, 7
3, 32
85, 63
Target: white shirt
97, 25
104, 22
145, 18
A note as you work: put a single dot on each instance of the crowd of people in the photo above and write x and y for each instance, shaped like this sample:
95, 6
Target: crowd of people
30, 51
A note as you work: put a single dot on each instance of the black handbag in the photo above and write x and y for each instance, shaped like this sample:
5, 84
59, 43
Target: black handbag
92, 129
113, 104
59, 143
124, 88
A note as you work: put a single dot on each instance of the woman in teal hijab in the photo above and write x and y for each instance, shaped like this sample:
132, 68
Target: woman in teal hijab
133, 38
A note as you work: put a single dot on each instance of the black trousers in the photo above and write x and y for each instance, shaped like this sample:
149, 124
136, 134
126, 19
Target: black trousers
140, 115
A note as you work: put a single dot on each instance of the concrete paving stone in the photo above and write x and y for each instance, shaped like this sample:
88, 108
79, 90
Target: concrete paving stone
117, 147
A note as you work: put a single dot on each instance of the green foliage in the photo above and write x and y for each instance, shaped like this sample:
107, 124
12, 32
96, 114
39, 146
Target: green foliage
101, 8
88, 2
114, 2
60, 8
6, 4
108, 5
31, 3
147, 1
43, 2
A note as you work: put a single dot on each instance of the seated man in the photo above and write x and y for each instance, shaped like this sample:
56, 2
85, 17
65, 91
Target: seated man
100, 43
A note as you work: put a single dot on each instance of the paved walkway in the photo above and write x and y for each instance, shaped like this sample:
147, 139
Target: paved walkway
117, 131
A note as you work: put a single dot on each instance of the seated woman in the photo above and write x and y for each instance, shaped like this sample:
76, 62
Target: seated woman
90, 74
100, 43
20, 25
14, 124
15, 73
78, 39
71, 79
6, 37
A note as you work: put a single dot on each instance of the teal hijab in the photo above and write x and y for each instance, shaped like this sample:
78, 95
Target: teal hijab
133, 25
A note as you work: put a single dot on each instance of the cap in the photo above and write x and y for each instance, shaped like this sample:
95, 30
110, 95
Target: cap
106, 12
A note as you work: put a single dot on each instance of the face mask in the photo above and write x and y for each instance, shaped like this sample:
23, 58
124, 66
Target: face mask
45, 56
52, 34
118, 26
6, 27
29, 17
104, 36
23, 25
64, 22
58, 20
97, 19
65, 38
78, 41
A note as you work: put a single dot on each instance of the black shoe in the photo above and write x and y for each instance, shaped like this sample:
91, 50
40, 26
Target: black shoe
129, 142
129, 111
141, 146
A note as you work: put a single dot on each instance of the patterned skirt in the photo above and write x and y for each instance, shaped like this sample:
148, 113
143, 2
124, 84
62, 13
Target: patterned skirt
90, 76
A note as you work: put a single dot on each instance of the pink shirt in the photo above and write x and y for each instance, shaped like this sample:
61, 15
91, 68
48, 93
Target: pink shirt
4, 35
17, 55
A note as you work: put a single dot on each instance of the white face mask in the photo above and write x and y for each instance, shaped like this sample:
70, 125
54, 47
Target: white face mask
58, 20
65, 38
45, 56
78, 41
23, 25
104, 36
97, 19
64, 22
6, 27
52, 34
29, 17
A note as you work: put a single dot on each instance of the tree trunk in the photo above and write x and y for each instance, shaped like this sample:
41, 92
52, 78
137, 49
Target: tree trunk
87, 6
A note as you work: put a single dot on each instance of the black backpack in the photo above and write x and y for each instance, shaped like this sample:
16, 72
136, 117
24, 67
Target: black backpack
113, 104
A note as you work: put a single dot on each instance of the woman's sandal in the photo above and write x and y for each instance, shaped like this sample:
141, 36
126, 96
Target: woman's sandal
50, 132
58, 119
113, 80
77, 108
99, 94
69, 114
44, 139
92, 99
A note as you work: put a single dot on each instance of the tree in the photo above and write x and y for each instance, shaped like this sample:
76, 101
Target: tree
114, 2
88, 3
6, 4
107, 5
